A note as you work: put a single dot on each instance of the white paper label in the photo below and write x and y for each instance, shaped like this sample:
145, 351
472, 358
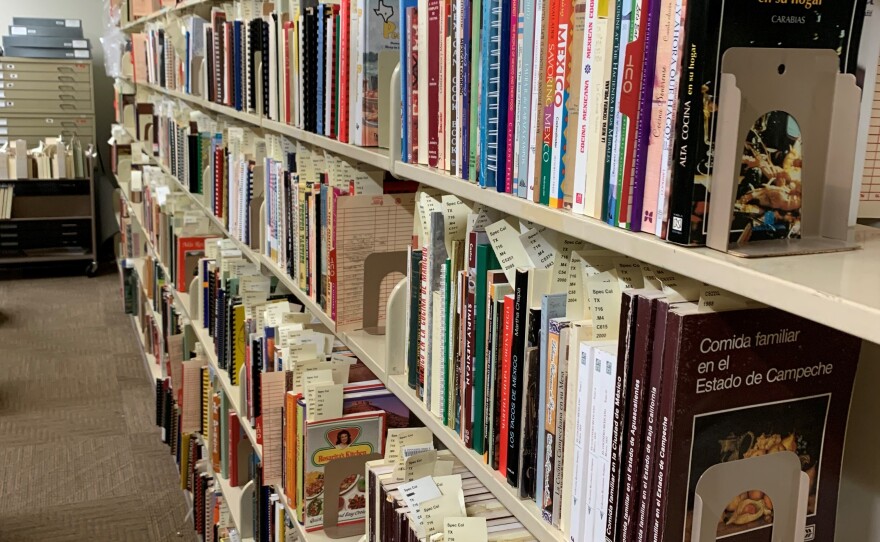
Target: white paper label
18, 30
80, 44
511, 253
465, 530
81, 53
72, 23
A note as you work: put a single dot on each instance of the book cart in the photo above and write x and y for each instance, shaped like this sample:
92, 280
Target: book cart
840, 290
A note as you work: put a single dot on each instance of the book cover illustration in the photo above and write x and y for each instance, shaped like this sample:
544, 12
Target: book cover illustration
713, 28
752, 382
768, 196
350, 436
382, 21
790, 426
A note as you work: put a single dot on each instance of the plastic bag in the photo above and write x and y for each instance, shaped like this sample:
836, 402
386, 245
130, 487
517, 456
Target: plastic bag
114, 39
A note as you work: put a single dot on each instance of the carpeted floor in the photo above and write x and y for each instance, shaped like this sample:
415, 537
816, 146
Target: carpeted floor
80, 456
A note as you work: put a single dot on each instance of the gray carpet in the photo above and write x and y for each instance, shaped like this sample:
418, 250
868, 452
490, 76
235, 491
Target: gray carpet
80, 456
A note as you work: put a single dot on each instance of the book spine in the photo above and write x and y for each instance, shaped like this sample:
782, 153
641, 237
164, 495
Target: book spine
547, 107
455, 28
442, 74
465, 66
651, 28
670, 106
475, 60
514, 45
659, 93
467, 388
615, 122
546, 493
560, 102
413, 73
506, 348
525, 51
635, 427
490, 322
458, 380
664, 435
517, 366
536, 118
585, 88
685, 194
628, 315
487, 127
501, 102
433, 101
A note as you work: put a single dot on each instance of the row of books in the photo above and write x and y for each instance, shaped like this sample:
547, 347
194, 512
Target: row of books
578, 107
315, 204
264, 345
255, 57
52, 159
602, 387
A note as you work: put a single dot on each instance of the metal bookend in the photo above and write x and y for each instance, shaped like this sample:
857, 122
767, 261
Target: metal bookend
777, 475
334, 473
798, 196
396, 329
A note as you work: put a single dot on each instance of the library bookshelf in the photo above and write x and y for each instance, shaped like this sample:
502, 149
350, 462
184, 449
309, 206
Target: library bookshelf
838, 290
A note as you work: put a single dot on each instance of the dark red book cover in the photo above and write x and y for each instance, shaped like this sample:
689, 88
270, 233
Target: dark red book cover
234, 438
748, 383
433, 81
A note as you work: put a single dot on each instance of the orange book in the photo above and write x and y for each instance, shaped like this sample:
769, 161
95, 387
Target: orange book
289, 445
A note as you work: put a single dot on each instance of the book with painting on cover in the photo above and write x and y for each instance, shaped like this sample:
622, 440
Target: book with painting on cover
381, 22
712, 28
349, 436
748, 383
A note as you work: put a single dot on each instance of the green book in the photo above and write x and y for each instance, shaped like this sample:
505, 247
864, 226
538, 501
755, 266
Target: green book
486, 261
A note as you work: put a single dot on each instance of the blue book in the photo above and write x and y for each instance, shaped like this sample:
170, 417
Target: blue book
552, 306
319, 110
485, 74
236, 72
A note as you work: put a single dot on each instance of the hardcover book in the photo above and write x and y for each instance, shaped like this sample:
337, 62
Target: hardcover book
348, 436
711, 29
748, 383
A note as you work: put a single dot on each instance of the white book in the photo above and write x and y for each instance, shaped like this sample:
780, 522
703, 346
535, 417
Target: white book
583, 409
522, 93
578, 332
357, 32
583, 144
598, 105
273, 71
422, 40
604, 376
436, 361
535, 117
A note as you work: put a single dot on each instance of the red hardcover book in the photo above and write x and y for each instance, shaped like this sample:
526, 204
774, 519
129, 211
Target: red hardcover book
189, 251
433, 82
344, 66
506, 348
234, 439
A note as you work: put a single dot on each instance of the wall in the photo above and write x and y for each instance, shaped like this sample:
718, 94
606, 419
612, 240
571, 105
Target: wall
91, 13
